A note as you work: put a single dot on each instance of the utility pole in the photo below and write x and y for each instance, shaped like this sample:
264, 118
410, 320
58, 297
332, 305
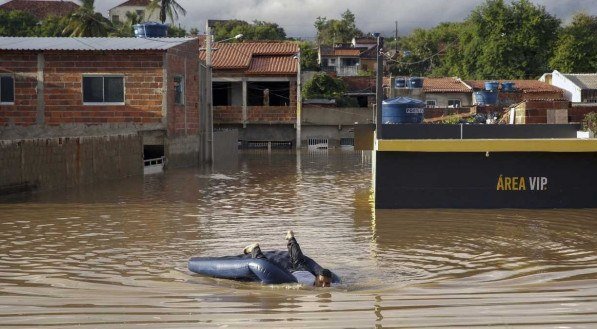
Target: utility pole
378, 85
299, 102
396, 36
209, 96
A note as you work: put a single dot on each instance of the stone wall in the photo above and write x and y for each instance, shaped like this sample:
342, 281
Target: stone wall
58, 163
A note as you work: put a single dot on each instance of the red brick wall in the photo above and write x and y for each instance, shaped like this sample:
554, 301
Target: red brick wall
23, 67
228, 114
577, 113
536, 110
271, 114
182, 61
63, 76
143, 79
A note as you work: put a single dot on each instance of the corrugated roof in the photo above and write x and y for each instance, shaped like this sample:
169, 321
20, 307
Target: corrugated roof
255, 57
583, 80
445, 85
41, 9
526, 86
32, 43
273, 65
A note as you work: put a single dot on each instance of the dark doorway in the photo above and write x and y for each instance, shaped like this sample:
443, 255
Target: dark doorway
221, 93
277, 92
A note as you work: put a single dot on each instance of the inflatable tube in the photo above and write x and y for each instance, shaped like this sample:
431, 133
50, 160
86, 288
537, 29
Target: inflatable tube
275, 269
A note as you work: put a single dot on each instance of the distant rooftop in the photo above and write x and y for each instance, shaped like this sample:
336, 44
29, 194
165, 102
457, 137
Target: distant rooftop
33, 43
134, 3
41, 9
255, 57
445, 85
583, 80
525, 86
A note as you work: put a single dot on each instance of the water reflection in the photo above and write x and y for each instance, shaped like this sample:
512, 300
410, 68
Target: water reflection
114, 254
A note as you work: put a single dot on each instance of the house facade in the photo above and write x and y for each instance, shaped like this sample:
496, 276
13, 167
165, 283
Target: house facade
254, 90
41, 9
343, 61
578, 88
139, 7
60, 87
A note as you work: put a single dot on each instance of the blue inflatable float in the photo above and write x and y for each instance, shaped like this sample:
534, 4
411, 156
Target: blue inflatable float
275, 269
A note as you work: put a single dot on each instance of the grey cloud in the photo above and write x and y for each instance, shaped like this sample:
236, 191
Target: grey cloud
297, 16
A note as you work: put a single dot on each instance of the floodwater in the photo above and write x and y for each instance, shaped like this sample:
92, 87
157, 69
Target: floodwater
114, 255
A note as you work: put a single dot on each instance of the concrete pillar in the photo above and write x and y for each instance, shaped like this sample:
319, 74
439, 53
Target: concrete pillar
41, 116
245, 96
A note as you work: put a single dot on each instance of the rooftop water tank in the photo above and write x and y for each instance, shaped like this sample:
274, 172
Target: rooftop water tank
400, 83
415, 82
485, 97
402, 110
508, 86
151, 30
492, 85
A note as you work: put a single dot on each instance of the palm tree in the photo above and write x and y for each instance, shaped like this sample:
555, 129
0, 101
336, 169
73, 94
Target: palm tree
126, 29
85, 22
168, 9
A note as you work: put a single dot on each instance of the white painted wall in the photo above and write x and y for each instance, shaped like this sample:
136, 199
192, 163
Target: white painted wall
572, 92
121, 13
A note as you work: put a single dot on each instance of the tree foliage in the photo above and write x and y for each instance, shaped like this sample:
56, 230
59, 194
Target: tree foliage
258, 30
85, 22
498, 40
17, 23
167, 9
334, 31
308, 56
323, 86
576, 48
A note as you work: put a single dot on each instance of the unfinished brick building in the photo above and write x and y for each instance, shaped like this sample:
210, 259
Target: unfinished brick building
60, 87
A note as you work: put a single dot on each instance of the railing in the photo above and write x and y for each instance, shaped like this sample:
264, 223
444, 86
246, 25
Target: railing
153, 162
153, 166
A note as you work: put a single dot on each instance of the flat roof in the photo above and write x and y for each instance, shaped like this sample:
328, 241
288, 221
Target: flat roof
90, 44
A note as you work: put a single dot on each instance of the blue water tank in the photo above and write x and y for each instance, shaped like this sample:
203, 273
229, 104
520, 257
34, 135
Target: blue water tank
485, 97
415, 82
402, 110
400, 83
492, 85
508, 86
151, 30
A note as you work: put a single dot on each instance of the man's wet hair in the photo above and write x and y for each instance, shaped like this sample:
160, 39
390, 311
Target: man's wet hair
326, 273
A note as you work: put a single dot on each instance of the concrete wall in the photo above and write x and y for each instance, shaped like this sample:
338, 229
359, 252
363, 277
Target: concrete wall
182, 151
571, 91
58, 163
314, 115
225, 147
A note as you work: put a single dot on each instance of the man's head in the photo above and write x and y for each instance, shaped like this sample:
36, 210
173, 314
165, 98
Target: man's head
324, 278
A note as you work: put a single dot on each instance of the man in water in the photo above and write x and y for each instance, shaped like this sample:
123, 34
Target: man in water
299, 270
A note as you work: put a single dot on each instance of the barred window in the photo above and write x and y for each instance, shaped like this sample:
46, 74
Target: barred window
103, 89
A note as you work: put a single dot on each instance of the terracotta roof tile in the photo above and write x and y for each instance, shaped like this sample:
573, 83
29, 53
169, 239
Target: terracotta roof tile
353, 52
242, 55
273, 65
445, 85
41, 9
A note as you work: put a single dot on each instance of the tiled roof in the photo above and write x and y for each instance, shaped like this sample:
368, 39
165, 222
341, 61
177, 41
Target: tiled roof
354, 52
41, 9
445, 85
366, 40
273, 65
34, 44
255, 57
584, 81
526, 86
136, 3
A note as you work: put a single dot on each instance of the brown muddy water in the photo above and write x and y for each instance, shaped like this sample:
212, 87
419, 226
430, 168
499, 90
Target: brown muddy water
114, 255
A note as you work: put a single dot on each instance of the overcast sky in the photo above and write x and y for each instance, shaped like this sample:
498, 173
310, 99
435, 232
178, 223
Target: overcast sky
297, 16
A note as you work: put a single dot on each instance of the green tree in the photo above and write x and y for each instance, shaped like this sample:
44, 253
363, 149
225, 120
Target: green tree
308, 56
126, 29
52, 26
176, 32
323, 86
168, 9
576, 48
507, 41
85, 22
335, 31
259, 30
17, 24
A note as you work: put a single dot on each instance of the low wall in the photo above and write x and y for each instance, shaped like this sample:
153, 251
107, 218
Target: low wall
58, 163
183, 151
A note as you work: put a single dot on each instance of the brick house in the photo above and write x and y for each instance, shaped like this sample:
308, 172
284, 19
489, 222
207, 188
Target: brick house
41, 9
55, 87
255, 89
523, 90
